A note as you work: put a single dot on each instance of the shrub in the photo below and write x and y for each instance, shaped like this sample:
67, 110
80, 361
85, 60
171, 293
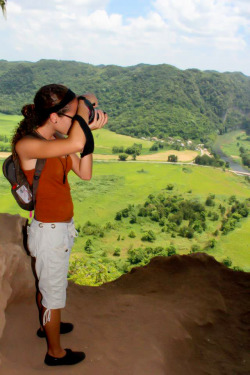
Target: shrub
117, 252
232, 199
123, 157
222, 209
132, 234
162, 222
143, 212
154, 147
133, 219
195, 248
187, 170
118, 216
142, 171
214, 216
109, 226
88, 246
186, 232
136, 256
197, 226
149, 236
155, 215
211, 244
227, 262
171, 250
125, 212
172, 158
170, 187
134, 150
237, 268
209, 201
117, 150
176, 218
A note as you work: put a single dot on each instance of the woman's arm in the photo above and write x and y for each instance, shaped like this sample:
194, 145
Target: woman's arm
32, 148
82, 167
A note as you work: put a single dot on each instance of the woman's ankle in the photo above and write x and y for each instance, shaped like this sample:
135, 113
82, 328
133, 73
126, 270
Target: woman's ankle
59, 353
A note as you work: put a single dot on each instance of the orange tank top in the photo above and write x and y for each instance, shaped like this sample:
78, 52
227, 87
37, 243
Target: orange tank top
53, 198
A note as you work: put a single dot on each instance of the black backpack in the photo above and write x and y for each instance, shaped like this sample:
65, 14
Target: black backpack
24, 194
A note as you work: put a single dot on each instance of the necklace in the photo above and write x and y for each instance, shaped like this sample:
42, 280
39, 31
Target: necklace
64, 169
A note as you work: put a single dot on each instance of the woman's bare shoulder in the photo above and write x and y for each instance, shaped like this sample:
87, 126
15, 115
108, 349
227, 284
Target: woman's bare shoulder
25, 142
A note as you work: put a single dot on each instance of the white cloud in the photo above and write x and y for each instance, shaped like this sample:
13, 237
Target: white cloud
182, 33
212, 19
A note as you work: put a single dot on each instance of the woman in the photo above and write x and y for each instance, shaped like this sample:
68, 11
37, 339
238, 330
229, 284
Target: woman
51, 233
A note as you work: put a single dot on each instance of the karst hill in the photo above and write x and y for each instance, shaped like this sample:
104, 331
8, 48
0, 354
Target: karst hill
141, 100
180, 315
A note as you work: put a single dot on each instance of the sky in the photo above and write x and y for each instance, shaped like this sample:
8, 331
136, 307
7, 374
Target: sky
202, 34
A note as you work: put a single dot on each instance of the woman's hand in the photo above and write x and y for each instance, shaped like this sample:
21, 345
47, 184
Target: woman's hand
92, 98
101, 119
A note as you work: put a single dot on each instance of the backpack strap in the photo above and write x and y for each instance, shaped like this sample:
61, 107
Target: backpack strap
40, 163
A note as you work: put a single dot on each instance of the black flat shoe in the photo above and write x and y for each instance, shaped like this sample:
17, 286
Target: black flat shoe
64, 328
70, 358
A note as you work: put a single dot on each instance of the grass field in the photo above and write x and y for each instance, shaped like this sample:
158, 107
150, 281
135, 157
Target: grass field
231, 142
116, 184
105, 140
8, 123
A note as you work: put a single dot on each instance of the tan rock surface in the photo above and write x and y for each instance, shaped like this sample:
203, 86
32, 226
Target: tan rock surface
182, 315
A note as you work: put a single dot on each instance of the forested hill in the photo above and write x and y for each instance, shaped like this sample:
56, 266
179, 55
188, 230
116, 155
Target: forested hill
142, 100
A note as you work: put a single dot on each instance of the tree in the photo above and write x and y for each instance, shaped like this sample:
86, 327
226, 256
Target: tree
123, 157
171, 250
88, 246
134, 156
154, 147
227, 262
134, 150
149, 236
172, 158
3, 6
132, 234
170, 187
117, 252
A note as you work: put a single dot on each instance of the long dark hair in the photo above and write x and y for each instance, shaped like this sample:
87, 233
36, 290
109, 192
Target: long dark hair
35, 115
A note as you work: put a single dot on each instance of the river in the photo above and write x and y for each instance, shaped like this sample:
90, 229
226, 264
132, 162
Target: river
232, 163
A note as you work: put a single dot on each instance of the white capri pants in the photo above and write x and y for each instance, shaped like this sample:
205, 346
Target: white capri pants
51, 244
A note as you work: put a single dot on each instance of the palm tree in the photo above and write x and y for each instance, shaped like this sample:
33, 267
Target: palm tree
3, 6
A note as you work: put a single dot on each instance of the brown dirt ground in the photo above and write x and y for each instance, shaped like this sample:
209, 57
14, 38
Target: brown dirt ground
163, 156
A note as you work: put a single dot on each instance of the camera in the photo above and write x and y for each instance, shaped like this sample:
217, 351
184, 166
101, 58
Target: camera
90, 108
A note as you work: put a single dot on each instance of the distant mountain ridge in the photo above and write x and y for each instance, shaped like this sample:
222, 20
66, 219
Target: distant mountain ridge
142, 100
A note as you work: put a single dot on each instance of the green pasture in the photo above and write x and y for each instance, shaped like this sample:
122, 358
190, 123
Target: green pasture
8, 124
115, 185
231, 142
236, 245
105, 140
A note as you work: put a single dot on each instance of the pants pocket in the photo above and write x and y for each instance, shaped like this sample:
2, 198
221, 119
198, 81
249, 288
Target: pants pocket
31, 242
